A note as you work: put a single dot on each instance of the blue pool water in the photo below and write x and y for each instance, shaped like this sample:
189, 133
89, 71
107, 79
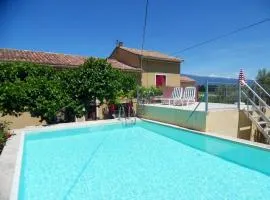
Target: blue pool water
146, 161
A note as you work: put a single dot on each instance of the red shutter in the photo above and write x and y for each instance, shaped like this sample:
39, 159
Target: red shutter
160, 80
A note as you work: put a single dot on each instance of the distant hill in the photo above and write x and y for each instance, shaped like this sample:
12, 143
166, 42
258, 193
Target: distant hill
201, 80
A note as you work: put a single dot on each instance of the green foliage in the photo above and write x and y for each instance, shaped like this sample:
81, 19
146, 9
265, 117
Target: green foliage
136, 76
149, 92
201, 96
96, 79
263, 78
21, 89
14, 71
13, 98
46, 98
4, 135
28, 87
128, 84
100, 80
46, 92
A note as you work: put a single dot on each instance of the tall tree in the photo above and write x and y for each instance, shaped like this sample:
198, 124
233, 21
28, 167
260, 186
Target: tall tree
94, 80
263, 78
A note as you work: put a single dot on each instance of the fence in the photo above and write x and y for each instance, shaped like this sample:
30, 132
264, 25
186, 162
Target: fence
220, 95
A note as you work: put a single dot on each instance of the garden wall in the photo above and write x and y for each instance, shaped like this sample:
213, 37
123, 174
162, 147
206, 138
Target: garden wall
185, 118
22, 121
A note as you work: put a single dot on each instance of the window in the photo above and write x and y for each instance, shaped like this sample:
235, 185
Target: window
160, 80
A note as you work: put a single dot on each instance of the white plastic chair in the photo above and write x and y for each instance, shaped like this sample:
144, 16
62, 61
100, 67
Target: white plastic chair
176, 95
189, 96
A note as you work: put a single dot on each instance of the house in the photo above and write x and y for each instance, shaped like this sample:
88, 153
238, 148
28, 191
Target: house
154, 68
158, 69
186, 81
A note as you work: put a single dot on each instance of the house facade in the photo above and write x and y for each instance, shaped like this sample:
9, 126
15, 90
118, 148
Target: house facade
157, 69
153, 68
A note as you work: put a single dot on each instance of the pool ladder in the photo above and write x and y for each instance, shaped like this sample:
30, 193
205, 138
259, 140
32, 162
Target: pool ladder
126, 120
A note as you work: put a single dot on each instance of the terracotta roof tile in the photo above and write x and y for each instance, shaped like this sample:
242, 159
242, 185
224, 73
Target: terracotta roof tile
152, 54
119, 65
54, 59
186, 79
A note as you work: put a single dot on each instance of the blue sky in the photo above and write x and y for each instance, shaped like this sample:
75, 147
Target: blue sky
91, 27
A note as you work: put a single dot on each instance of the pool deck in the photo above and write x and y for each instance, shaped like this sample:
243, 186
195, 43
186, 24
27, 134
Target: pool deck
11, 154
7, 165
200, 106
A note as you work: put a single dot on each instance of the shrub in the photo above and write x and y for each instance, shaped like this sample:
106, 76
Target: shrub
4, 135
149, 92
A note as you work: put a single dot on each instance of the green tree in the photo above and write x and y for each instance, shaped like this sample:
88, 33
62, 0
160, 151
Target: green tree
146, 94
14, 96
263, 78
47, 98
94, 80
27, 87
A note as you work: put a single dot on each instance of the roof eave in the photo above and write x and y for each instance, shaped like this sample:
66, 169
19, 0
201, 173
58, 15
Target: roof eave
150, 57
161, 59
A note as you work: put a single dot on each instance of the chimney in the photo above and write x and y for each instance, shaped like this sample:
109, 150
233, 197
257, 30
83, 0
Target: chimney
119, 43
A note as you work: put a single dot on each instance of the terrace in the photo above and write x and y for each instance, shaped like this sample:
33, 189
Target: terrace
224, 110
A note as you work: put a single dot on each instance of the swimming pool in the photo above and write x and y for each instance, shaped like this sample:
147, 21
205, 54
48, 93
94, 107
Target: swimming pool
145, 161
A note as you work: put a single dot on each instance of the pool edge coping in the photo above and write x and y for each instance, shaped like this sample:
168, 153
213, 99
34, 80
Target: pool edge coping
14, 193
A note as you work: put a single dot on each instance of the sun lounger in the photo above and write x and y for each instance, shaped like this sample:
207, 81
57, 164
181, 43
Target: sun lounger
175, 95
188, 97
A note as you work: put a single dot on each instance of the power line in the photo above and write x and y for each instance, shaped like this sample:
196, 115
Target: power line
221, 36
145, 23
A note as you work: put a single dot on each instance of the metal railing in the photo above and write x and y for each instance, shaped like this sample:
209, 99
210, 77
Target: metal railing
219, 95
120, 112
260, 119
265, 92
126, 118
255, 107
261, 91
256, 95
